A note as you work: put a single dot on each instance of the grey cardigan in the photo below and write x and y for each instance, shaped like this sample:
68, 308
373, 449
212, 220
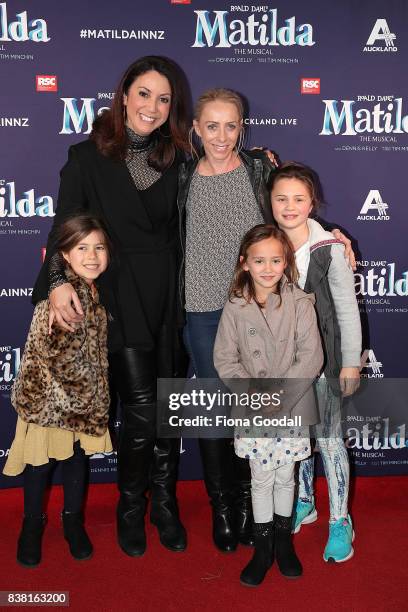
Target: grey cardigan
281, 345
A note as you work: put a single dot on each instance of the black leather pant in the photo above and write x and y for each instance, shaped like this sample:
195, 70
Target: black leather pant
144, 461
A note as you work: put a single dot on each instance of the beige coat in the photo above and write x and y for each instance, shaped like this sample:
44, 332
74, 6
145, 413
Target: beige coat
281, 345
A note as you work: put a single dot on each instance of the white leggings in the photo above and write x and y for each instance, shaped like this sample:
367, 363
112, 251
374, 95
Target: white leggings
272, 491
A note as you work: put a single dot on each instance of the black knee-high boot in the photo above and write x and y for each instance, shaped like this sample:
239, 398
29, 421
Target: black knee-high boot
135, 456
163, 480
30, 538
134, 375
74, 473
217, 457
243, 502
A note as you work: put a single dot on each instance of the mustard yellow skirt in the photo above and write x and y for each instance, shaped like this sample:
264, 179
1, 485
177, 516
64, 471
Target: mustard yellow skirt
35, 445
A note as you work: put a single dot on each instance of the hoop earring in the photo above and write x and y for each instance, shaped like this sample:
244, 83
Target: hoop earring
124, 115
241, 140
193, 151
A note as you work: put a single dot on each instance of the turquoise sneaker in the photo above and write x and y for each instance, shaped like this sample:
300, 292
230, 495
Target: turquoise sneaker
341, 536
305, 513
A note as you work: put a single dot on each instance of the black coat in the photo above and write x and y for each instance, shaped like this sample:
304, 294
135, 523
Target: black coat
139, 289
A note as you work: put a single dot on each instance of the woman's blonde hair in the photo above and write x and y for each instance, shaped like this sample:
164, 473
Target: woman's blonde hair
215, 94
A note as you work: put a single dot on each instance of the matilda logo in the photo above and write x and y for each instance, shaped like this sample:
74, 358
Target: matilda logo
376, 437
374, 202
9, 363
381, 33
342, 117
379, 279
21, 29
180, 1
263, 30
27, 206
44, 82
369, 362
310, 86
78, 117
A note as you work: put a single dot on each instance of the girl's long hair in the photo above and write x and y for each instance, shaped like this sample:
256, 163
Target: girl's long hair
109, 128
242, 285
76, 228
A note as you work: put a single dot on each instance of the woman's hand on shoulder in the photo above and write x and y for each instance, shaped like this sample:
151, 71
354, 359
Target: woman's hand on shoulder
65, 308
348, 252
349, 380
271, 155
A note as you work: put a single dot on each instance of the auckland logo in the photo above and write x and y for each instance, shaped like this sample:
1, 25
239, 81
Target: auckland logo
381, 38
369, 362
374, 209
21, 29
218, 30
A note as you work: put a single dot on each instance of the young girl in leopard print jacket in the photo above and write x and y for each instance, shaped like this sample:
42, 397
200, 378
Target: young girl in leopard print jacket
61, 395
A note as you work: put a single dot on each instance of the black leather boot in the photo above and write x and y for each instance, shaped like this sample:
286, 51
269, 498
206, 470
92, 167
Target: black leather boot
80, 545
30, 539
164, 508
254, 573
288, 563
130, 524
216, 456
135, 453
243, 504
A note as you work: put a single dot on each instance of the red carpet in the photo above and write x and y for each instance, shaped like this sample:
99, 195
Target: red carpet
204, 579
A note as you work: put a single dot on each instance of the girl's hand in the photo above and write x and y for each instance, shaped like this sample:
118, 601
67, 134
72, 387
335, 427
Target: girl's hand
349, 381
273, 157
348, 253
65, 308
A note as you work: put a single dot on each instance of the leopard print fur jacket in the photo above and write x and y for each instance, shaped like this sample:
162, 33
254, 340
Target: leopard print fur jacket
63, 377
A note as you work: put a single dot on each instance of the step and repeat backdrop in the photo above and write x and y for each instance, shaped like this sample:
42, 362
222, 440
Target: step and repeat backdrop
325, 84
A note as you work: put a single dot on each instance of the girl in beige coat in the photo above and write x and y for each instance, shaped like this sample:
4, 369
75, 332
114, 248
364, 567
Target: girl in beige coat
268, 330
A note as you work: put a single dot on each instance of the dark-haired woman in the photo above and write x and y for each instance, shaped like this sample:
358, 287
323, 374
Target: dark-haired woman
126, 173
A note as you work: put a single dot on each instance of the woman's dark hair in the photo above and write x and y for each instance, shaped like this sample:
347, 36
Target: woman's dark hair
76, 228
242, 285
109, 128
309, 177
